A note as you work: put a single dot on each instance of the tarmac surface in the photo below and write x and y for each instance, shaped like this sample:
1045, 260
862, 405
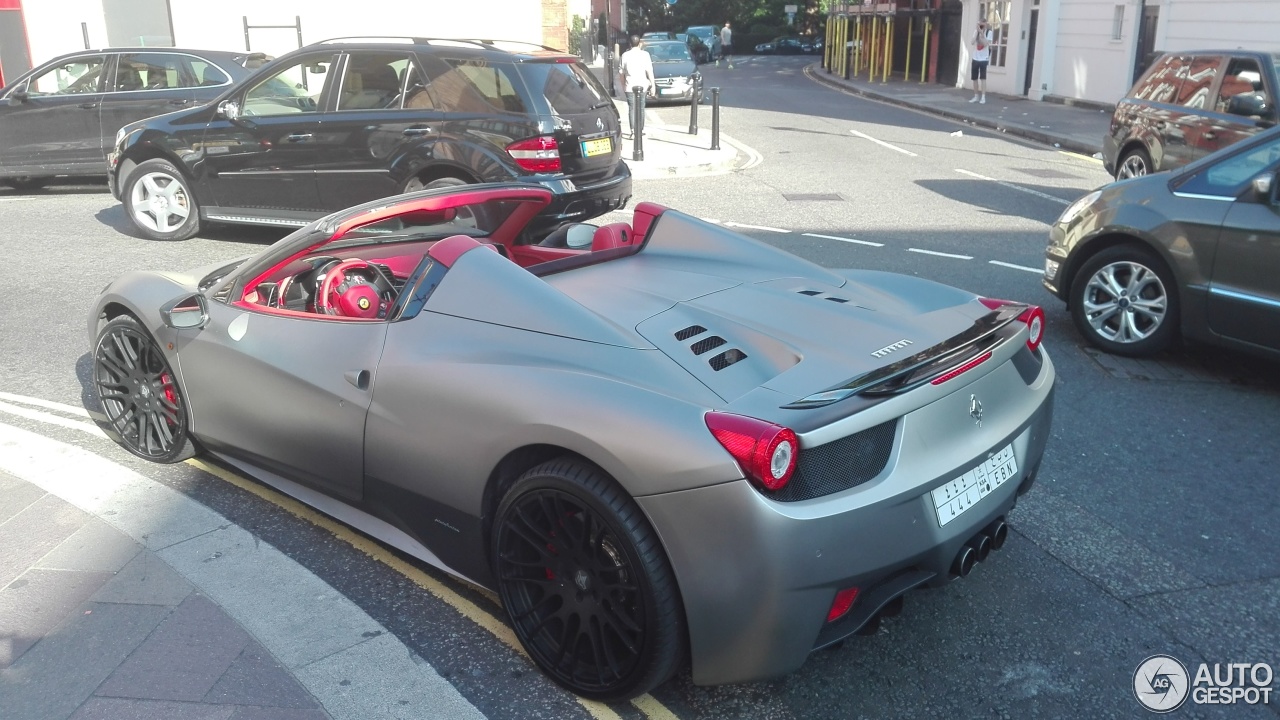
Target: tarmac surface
109, 610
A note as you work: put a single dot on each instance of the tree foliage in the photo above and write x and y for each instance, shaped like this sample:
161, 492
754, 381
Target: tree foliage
748, 17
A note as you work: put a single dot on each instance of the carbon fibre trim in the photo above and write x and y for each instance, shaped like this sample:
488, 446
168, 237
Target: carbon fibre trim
840, 464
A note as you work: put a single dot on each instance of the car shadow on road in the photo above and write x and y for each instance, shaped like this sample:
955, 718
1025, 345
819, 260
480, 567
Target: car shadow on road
58, 186
114, 217
1004, 200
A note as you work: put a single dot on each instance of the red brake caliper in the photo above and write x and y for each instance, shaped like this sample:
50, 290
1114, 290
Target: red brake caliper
166, 381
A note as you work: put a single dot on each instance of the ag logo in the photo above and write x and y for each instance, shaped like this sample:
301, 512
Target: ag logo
1161, 683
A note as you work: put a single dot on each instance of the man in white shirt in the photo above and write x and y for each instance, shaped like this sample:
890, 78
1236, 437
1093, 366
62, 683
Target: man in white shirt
726, 41
981, 58
635, 68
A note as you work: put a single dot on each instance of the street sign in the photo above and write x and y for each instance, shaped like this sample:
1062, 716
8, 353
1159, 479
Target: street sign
791, 9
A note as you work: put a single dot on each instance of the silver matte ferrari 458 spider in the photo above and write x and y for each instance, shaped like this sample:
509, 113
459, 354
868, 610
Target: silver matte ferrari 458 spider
658, 441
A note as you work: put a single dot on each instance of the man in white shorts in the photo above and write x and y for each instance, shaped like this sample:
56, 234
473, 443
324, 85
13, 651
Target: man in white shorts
981, 58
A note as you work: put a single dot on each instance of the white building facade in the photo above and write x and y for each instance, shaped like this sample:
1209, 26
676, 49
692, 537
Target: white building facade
1092, 50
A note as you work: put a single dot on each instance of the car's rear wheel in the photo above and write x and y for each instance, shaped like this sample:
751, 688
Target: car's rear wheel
586, 583
140, 394
1135, 163
160, 203
1124, 301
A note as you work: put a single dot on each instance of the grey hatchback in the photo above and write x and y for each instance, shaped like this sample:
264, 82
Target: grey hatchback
1188, 105
1195, 252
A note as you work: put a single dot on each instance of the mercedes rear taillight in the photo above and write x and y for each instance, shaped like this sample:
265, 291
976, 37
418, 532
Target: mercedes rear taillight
537, 154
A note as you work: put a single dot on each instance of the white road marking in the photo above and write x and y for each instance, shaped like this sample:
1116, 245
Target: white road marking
44, 417
940, 254
883, 143
1038, 271
1012, 186
754, 227
47, 404
844, 239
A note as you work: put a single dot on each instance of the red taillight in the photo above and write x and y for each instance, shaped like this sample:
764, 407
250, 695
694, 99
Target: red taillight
844, 601
539, 154
956, 372
766, 452
1033, 316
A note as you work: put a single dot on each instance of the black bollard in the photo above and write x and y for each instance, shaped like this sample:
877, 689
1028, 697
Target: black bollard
608, 72
637, 124
715, 118
693, 104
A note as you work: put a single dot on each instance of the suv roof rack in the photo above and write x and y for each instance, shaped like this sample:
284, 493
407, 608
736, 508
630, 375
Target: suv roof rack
509, 45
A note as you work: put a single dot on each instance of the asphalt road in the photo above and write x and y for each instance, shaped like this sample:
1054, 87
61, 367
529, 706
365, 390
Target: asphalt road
1152, 528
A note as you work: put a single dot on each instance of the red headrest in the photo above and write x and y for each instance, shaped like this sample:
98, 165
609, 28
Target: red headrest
447, 251
613, 235
644, 216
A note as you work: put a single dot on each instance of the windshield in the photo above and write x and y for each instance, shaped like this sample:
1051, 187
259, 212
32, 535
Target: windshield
1275, 60
702, 32
668, 52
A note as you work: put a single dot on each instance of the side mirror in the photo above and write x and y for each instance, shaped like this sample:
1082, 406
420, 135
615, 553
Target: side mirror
17, 97
185, 311
1249, 105
580, 236
1264, 187
229, 109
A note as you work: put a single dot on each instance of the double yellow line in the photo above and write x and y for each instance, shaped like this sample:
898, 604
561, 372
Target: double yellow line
646, 704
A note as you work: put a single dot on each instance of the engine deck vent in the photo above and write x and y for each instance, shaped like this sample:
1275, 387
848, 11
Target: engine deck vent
727, 358
810, 293
691, 331
708, 344
835, 299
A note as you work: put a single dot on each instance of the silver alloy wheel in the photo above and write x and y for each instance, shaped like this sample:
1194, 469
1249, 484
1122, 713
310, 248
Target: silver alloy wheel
1125, 302
1134, 165
159, 202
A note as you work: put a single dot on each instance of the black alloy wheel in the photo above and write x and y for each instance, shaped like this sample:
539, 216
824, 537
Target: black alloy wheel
140, 394
586, 583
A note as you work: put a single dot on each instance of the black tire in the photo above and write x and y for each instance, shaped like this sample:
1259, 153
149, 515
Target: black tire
1134, 163
1104, 308
26, 184
158, 199
146, 412
586, 582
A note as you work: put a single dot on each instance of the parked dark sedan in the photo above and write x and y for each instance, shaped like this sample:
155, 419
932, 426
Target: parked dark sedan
348, 121
59, 118
1188, 105
785, 46
674, 70
1195, 252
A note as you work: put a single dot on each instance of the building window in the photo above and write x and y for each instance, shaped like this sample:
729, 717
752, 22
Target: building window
997, 13
1117, 23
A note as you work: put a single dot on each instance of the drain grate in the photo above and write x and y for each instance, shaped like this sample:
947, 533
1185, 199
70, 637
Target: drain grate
812, 197
1047, 173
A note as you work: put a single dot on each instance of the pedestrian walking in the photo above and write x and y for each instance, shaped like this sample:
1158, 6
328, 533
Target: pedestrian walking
726, 42
635, 68
981, 58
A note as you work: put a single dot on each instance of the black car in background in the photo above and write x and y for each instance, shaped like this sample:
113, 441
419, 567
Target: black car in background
674, 70
786, 46
61, 117
1188, 105
348, 121
1194, 252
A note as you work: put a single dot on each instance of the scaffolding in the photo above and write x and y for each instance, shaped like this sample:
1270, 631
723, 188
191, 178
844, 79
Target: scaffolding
861, 39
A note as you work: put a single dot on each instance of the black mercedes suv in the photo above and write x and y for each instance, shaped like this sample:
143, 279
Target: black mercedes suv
347, 121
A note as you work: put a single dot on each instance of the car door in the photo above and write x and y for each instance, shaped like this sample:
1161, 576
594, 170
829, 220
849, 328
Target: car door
1244, 293
263, 160
284, 390
1243, 106
1194, 120
145, 84
49, 123
383, 125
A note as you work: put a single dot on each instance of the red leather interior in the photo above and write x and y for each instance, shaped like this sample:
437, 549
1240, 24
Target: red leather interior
447, 251
359, 301
613, 235
645, 214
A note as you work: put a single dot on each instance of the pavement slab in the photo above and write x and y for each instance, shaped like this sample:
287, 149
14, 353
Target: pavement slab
96, 546
31, 534
36, 602
146, 580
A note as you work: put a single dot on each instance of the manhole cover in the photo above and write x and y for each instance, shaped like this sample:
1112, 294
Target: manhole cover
1047, 173
812, 197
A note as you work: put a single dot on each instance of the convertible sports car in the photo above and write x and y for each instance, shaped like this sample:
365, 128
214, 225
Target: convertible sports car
656, 440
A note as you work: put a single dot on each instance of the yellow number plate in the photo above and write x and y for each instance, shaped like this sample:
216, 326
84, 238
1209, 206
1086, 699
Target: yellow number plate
602, 146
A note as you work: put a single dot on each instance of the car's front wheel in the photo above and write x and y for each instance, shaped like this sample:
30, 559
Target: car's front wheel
1124, 301
1135, 163
586, 582
159, 201
140, 396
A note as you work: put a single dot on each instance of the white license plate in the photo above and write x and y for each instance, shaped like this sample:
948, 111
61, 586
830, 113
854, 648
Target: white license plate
964, 492
669, 91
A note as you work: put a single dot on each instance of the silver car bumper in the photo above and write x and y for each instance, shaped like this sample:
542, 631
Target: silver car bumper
758, 577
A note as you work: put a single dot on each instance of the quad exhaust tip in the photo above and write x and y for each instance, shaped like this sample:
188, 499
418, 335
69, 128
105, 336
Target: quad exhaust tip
992, 537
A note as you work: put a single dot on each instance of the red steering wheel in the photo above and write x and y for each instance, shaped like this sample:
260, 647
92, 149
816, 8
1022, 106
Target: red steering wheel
337, 296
